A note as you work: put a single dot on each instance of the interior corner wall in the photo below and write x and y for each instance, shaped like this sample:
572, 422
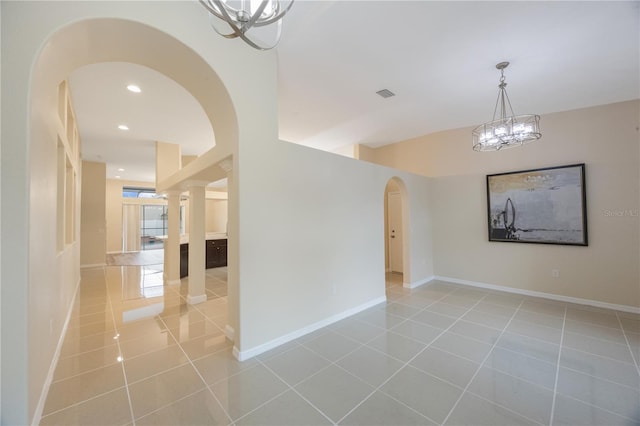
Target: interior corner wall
312, 238
605, 138
93, 242
216, 215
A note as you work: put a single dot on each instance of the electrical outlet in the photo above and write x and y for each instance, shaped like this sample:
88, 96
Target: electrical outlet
555, 273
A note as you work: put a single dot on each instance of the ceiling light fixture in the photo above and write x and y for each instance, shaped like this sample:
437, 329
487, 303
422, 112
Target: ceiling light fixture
134, 88
243, 15
506, 131
121, 169
123, 127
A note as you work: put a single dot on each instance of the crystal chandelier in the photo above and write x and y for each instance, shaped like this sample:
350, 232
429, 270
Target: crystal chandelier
234, 18
505, 131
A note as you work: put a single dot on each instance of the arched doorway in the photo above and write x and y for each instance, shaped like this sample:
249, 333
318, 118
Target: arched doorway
44, 276
397, 238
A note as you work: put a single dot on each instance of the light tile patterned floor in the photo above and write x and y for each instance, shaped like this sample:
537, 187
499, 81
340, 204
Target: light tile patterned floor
136, 353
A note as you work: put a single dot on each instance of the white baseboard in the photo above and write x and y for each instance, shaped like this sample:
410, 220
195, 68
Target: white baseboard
194, 300
229, 332
550, 296
236, 354
93, 265
37, 416
418, 283
173, 282
250, 353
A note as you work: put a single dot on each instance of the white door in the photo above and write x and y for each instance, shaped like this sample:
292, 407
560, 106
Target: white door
395, 232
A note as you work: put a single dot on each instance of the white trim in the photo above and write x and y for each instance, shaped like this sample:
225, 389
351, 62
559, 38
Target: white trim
236, 353
37, 416
418, 283
115, 252
167, 281
93, 265
229, 332
250, 353
551, 296
194, 300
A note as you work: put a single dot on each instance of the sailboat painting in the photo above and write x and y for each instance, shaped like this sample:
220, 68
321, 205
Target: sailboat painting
546, 206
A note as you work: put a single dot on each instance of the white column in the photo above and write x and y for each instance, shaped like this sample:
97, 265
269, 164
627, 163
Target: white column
232, 327
172, 243
197, 226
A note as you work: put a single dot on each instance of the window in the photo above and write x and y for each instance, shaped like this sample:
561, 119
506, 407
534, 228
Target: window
153, 224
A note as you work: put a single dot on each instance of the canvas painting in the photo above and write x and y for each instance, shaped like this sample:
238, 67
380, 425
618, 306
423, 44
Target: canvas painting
538, 206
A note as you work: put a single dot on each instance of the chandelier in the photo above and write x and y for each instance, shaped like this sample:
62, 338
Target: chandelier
505, 131
234, 18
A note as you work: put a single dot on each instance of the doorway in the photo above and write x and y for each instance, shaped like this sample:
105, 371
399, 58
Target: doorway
396, 237
394, 207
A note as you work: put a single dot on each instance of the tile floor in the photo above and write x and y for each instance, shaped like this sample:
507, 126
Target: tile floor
135, 353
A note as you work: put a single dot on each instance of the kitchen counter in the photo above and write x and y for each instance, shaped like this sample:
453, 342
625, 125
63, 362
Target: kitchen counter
184, 238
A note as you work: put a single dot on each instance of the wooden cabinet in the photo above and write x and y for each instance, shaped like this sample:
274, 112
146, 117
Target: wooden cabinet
216, 253
184, 260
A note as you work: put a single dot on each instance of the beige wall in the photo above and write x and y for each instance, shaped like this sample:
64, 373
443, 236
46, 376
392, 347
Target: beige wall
605, 138
93, 230
312, 239
216, 215
168, 159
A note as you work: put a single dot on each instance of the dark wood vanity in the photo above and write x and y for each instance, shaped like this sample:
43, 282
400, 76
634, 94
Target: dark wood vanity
215, 255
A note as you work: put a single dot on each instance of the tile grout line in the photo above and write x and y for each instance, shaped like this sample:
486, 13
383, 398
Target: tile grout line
624, 333
482, 364
388, 330
416, 355
555, 384
121, 358
75, 404
335, 363
596, 406
290, 388
206, 386
602, 379
511, 410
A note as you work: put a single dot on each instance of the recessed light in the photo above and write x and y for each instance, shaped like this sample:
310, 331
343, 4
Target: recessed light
117, 177
123, 127
121, 170
134, 88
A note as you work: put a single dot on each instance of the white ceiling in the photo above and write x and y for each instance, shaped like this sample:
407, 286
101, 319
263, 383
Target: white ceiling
437, 57
163, 111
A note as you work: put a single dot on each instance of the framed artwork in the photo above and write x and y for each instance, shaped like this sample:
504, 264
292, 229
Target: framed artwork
546, 206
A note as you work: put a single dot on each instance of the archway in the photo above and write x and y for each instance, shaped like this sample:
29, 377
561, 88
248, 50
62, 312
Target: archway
47, 274
397, 236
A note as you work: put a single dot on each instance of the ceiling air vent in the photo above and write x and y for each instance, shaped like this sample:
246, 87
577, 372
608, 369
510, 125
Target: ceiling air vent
385, 93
